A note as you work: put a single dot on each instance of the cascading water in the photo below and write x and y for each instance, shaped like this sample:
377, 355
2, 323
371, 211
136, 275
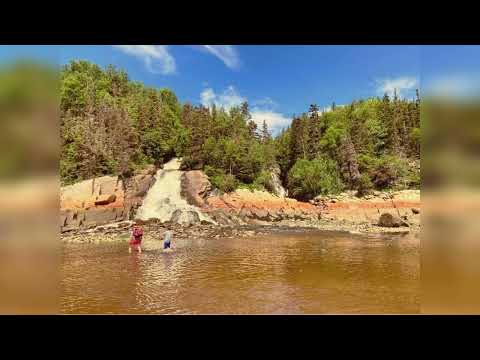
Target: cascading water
276, 183
164, 202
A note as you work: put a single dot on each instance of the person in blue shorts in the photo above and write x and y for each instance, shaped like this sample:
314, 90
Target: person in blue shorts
167, 240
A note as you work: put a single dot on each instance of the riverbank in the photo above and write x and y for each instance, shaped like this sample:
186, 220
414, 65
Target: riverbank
154, 232
186, 202
343, 213
362, 214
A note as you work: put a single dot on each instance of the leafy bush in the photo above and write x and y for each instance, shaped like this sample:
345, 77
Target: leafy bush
390, 172
309, 178
364, 184
220, 180
263, 181
225, 183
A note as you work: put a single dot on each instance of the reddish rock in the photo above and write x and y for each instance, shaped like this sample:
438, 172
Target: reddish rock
262, 206
105, 199
195, 187
102, 200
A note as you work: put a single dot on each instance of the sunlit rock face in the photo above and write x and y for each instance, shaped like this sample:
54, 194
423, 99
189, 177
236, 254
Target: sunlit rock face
102, 200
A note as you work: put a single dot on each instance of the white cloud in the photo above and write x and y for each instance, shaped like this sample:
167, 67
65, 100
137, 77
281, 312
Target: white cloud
156, 57
275, 120
227, 53
402, 85
227, 99
207, 97
263, 109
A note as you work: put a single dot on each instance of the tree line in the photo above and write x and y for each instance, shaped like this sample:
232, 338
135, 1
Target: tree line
368, 144
112, 125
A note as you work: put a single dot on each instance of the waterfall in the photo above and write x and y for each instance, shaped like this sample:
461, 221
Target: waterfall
164, 202
275, 183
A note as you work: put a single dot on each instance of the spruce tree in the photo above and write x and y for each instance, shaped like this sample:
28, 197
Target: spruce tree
315, 132
265, 133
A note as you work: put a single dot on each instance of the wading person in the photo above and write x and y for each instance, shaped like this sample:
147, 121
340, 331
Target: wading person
136, 240
167, 241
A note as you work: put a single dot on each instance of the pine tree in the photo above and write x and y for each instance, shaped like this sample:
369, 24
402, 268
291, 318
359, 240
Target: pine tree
244, 110
252, 129
387, 117
265, 133
349, 162
296, 141
315, 132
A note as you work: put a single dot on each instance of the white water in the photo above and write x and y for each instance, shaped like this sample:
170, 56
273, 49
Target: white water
164, 197
276, 184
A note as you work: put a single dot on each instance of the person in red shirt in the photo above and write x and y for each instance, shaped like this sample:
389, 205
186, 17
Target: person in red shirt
136, 240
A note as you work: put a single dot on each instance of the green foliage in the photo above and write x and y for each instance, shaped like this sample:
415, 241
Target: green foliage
111, 125
364, 184
372, 142
263, 181
228, 141
223, 182
309, 178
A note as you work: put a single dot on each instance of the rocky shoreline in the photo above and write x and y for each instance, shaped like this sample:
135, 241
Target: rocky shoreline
121, 232
338, 219
103, 209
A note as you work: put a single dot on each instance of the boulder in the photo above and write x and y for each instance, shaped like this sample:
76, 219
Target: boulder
416, 210
245, 213
390, 220
105, 199
185, 217
195, 187
221, 217
260, 214
288, 213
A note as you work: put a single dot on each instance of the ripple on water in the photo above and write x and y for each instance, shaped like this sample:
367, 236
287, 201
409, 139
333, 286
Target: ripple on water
280, 273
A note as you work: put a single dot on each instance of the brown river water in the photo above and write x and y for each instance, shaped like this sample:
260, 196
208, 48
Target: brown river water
284, 273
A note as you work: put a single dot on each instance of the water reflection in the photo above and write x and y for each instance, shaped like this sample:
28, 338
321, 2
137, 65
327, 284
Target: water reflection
281, 273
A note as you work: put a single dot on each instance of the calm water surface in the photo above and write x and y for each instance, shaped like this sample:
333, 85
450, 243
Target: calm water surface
287, 273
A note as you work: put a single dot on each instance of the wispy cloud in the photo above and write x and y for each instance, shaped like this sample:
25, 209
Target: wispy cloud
266, 102
156, 57
402, 85
159, 60
227, 53
263, 109
227, 99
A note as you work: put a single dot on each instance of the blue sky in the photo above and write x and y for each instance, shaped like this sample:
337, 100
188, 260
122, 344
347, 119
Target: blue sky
277, 81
